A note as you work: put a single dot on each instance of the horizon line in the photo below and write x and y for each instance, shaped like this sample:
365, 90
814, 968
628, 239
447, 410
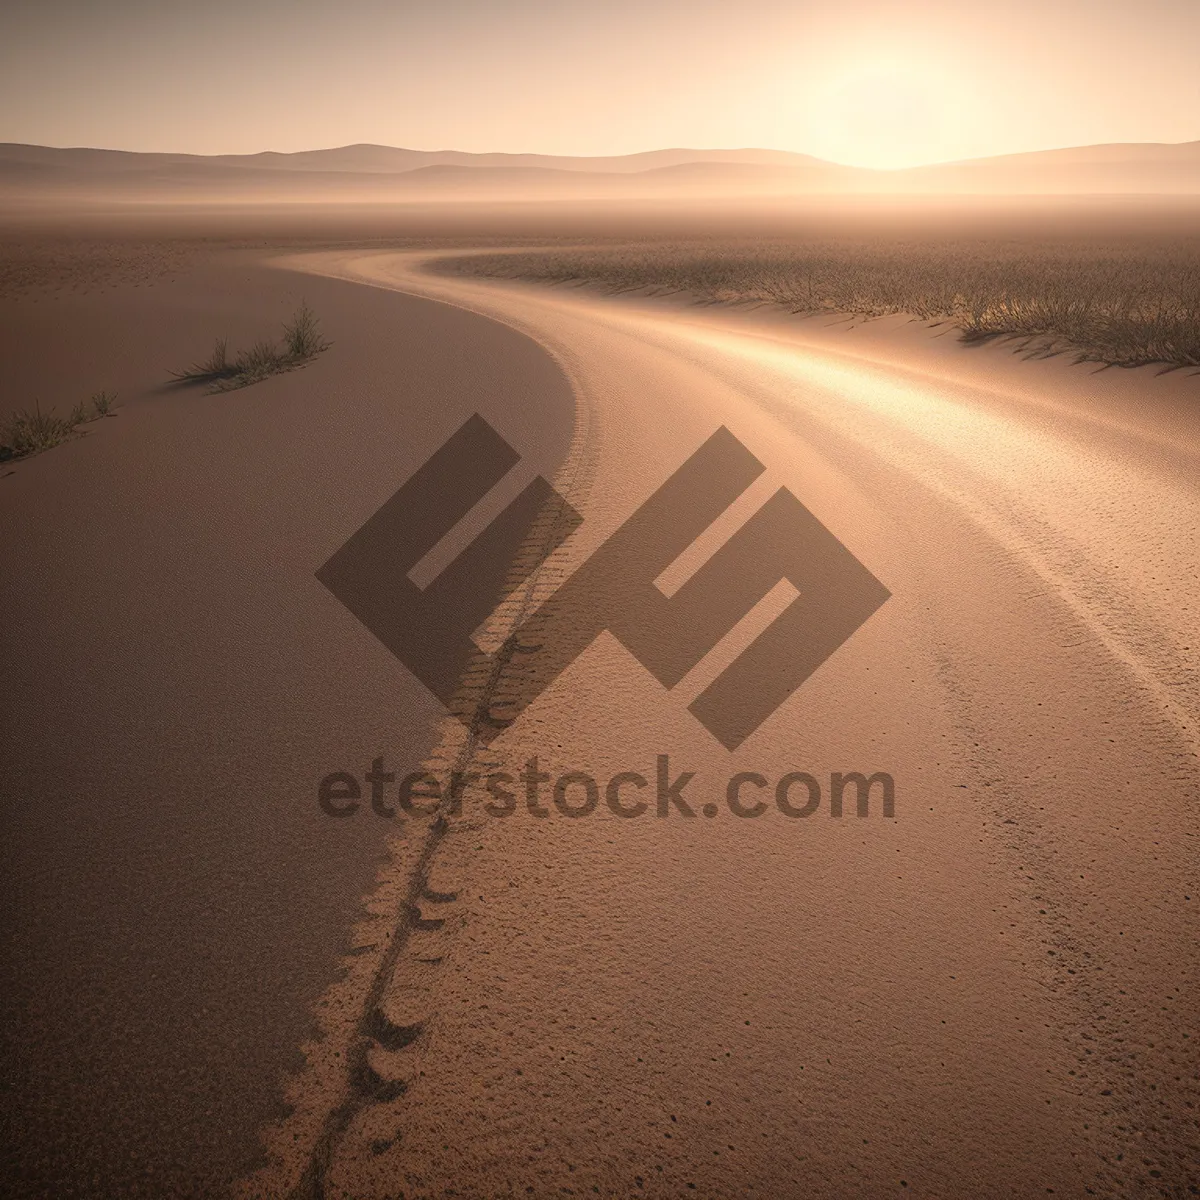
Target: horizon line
624, 155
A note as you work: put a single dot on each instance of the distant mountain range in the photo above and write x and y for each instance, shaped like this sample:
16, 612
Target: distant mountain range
367, 173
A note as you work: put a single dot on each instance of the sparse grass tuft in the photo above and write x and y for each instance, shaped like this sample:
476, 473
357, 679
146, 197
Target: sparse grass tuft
30, 432
27, 432
211, 369
302, 342
302, 336
217, 364
103, 403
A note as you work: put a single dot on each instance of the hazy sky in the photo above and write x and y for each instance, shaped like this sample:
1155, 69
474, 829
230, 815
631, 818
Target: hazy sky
869, 82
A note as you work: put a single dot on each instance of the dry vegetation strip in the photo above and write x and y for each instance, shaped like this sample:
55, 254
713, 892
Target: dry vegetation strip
302, 342
30, 431
27, 432
1125, 304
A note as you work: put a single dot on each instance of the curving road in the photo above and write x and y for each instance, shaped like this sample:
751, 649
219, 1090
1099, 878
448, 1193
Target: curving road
994, 992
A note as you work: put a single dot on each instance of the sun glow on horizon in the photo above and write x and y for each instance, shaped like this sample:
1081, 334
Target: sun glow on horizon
868, 83
885, 114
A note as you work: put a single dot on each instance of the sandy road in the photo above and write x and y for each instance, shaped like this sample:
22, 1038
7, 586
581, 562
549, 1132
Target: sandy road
993, 993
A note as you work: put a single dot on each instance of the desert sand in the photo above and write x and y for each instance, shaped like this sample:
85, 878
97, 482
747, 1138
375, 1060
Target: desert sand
988, 996
990, 993
177, 900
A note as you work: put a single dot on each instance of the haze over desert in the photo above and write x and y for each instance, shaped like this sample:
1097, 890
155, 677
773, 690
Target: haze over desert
600, 600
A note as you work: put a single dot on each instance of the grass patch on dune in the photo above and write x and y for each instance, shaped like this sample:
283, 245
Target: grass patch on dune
27, 432
1123, 304
222, 372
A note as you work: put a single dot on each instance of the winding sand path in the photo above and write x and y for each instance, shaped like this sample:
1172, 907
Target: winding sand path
993, 993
